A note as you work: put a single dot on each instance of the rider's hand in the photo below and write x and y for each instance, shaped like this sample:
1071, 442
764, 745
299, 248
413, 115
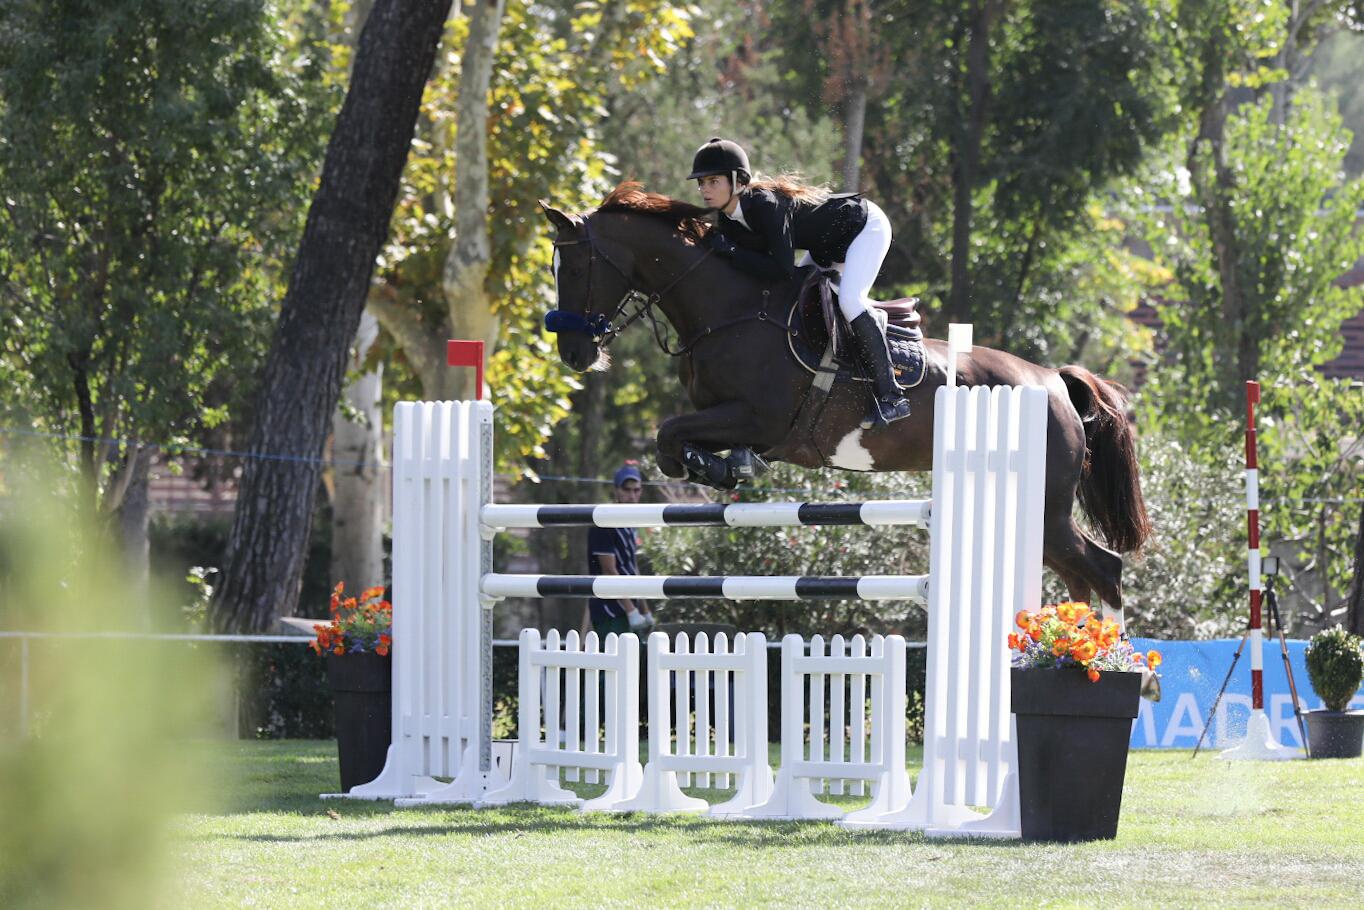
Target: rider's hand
721, 244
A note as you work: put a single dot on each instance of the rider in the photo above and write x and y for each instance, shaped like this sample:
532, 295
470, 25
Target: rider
760, 225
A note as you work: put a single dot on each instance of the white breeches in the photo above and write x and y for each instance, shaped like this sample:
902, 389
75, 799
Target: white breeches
858, 271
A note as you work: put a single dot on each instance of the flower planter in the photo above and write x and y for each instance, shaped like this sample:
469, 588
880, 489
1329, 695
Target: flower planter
362, 686
1335, 734
1073, 736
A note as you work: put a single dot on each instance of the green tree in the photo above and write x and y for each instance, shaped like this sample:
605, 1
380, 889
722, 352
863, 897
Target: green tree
1257, 223
300, 385
1004, 120
528, 84
1291, 235
153, 157
1312, 469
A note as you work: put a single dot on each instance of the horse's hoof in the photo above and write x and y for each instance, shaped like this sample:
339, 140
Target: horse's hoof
1150, 685
707, 468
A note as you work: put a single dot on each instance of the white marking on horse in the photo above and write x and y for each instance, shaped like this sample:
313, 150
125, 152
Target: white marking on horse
851, 454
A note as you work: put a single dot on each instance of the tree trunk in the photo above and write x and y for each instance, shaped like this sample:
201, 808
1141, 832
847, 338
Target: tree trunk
130, 521
347, 223
854, 125
357, 453
967, 155
1355, 612
466, 267
1214, 182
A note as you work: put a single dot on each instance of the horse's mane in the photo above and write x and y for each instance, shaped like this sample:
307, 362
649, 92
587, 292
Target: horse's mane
691, 220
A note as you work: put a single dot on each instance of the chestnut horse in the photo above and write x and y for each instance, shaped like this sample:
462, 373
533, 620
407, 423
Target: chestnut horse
640, 254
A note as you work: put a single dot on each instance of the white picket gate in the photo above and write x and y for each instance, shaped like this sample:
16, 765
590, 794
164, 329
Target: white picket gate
571, 679
861, 738
694, 746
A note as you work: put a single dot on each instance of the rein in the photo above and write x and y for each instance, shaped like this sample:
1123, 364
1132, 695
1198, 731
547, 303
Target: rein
602, 327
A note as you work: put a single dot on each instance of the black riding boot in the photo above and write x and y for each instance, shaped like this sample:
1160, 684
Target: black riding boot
888, 401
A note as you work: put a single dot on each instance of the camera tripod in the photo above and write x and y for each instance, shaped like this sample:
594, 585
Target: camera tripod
1272, 602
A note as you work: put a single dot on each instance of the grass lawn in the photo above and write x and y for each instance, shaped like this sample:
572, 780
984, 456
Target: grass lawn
1194, 833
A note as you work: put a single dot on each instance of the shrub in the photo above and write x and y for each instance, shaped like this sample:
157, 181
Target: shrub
1335, 666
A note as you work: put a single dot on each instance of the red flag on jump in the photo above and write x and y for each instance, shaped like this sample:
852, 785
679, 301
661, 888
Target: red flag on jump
467, 354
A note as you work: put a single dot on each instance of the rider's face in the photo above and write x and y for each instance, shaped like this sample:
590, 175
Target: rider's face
715, 190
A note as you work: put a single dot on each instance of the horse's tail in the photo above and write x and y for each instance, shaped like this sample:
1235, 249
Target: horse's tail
1110, 489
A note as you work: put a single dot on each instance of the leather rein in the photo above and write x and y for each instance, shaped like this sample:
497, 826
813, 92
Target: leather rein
602, 327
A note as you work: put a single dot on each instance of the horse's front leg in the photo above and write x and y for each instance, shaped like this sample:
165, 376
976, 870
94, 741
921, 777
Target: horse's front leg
723, 426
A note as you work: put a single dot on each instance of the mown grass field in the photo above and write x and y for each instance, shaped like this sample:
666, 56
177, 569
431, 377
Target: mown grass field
1194, 833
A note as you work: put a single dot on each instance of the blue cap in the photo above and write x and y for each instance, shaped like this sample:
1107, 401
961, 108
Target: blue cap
627, 473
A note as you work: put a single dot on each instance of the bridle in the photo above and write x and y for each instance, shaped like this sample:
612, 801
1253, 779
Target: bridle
603, 328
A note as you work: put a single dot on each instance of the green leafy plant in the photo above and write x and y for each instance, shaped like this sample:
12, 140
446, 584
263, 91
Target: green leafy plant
1335, 665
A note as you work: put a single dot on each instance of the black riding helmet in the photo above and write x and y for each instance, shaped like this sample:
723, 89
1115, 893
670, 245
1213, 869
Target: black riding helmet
721, 156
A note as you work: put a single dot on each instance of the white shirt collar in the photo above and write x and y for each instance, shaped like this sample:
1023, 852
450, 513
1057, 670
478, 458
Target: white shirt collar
739, 214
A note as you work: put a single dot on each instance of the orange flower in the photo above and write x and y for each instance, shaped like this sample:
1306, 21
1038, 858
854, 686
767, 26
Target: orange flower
1153, 659
339, 649
381, 650
1014, 644
1093, 675
371, 593
1084, 652
1023, 619
1060, 647
1034, 631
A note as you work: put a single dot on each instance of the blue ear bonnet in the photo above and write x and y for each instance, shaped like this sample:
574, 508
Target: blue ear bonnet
561, 321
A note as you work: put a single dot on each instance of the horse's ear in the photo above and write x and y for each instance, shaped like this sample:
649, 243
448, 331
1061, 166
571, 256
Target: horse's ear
557, 218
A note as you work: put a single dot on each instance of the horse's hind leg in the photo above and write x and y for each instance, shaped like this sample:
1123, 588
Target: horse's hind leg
1084, 565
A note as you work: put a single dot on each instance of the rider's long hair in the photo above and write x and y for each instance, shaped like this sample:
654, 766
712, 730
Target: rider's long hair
792, 185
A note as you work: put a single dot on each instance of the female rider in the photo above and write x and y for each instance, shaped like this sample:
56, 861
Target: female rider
762, 223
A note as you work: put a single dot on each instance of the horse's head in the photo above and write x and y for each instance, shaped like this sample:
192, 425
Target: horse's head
591, 280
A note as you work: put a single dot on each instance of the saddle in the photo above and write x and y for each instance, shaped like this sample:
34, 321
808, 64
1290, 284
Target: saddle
814, 320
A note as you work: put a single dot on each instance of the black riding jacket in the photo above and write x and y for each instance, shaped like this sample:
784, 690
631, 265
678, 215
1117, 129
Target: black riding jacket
780, 225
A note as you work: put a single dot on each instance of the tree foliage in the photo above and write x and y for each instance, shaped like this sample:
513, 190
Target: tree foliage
154, 158
556, 64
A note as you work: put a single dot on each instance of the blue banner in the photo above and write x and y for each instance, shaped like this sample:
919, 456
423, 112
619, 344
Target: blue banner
1190, 676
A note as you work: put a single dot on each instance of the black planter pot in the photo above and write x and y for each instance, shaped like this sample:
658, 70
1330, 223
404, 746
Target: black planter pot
1335, 734
1072, 751
362, 686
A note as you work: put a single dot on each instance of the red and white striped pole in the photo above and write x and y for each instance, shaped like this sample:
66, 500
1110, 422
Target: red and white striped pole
1260, 742
1257, 688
